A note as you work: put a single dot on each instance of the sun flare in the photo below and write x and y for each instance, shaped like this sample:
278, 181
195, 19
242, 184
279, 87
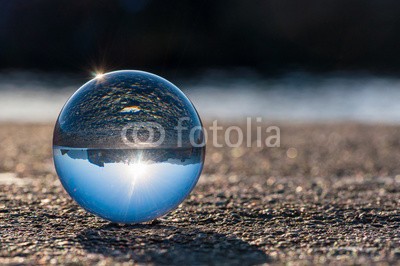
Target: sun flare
138, 169
98, 75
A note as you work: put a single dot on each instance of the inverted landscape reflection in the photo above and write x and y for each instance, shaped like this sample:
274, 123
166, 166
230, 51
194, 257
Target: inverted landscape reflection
126, 185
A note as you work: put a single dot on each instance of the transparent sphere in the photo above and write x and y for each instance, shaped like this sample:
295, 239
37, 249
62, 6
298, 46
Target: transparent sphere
128, 146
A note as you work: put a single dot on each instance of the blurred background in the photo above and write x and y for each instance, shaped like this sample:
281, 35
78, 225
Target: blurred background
284, 60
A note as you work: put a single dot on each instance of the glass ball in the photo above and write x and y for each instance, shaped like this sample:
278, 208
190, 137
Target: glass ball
128, 146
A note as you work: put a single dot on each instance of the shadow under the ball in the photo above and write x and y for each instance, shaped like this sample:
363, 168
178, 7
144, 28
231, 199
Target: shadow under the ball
162, 244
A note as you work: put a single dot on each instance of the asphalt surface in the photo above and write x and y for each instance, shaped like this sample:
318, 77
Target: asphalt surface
330, 194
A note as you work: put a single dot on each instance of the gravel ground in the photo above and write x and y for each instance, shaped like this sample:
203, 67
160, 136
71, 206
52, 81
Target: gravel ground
329, 194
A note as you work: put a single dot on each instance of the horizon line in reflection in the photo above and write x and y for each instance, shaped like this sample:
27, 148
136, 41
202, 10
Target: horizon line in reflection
101, 157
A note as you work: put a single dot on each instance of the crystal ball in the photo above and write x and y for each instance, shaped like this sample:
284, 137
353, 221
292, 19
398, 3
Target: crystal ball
128, 146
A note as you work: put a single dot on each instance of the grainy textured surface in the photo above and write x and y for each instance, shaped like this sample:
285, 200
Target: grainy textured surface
329, 194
